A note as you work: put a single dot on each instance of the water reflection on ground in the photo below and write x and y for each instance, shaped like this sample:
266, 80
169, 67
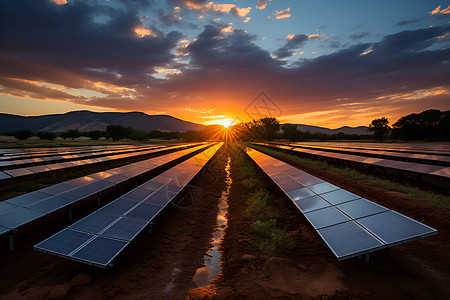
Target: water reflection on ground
212, 259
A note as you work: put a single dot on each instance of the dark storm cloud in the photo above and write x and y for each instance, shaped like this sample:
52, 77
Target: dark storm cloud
358, 36
39, 35
408, 22
293, 43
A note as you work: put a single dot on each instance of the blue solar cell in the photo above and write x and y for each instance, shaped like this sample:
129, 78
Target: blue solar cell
94, 223
77, 194
360, 208
151, 185
339, 196
4, 230
115, 178
161, 198
326, 217
19, 217
118, 207
145, 211
4, 176
81, 181
323, 187
137, 195
98, 186
100, 251
300, 194
64, 242
28, 199
310, 180
6, 207
125, 228
51, 204
290, 186
392, 227
349, 239
311, 203
58, 188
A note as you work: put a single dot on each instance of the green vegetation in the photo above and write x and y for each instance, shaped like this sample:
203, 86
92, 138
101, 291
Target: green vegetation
438, 201
380, 128
269, 235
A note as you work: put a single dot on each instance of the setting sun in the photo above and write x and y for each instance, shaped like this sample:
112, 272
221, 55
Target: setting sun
224, 122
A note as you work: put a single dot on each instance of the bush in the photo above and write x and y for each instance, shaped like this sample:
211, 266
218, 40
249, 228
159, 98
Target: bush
271, 238
46, 135
139, 135
23, 134
258, 206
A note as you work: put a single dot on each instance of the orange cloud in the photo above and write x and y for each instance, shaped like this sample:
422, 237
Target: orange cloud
142, 31
283, 14
212, 7
261, 4
60, 2
438, 10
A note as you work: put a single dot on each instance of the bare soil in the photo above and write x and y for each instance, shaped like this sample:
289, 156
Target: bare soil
162, 265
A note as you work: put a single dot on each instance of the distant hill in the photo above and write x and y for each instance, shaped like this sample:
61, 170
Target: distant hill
88, 121
345, 129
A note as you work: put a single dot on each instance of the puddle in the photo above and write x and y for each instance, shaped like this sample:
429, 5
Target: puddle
212, 259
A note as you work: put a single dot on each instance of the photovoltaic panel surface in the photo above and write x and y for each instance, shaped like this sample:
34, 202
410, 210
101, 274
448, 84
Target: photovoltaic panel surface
64, 242
348, 224
100, 251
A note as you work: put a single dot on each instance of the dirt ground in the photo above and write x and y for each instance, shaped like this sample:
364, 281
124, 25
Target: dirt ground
162, 265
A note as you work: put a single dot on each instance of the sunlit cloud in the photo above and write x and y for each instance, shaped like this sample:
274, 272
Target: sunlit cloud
247, 19
419, 94
211, 7
283, 14
261, 4
438, 10
316, 37
60, 2
227, 28
200, 110
142, 31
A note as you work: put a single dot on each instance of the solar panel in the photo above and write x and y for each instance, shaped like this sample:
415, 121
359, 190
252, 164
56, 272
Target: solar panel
300, 194
160, 198
392, 227
290, 186
51, 204
310, 180
137, 195
326, 217
145, 211
18, 172
151, 185
349, 239
4, 230
64, 242
311, 203
58, 188
81, 181
360, 208
94, 223
118, 207
339, 196
323, 187
125, 228
29, 198
7, 207
19, 217
100, 251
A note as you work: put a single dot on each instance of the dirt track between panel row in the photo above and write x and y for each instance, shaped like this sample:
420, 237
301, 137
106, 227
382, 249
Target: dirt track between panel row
162, 265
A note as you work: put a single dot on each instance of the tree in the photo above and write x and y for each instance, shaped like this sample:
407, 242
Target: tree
118, 132
139, 135
380, 128
23, 134
96, 134
270, 127
46, 135
289, 131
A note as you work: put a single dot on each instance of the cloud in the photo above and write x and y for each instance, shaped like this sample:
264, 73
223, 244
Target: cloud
212, 8
360, 35
438, 10
408, 22
294, 42
283, 14
261, 4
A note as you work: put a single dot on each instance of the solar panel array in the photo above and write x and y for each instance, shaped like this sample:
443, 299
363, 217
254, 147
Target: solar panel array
26, 208
349, 224
99, 237
22, 161
21, 173
438, 172
440, 160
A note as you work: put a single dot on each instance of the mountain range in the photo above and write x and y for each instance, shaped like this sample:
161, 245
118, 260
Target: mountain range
89, 121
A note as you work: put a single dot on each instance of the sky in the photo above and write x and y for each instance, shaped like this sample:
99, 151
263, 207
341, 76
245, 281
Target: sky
324, 63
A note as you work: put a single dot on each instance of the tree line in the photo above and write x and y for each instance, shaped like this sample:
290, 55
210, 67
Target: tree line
114, 132
429, 125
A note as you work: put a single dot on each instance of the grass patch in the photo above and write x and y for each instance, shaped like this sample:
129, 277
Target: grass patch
439, 201
272, 237
269, 236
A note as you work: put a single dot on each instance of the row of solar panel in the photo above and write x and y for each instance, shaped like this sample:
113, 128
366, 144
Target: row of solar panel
23, 209
34, 170
349, 224
22, 153
391, 147
17, 163
99, 237
422, 169
439, 160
